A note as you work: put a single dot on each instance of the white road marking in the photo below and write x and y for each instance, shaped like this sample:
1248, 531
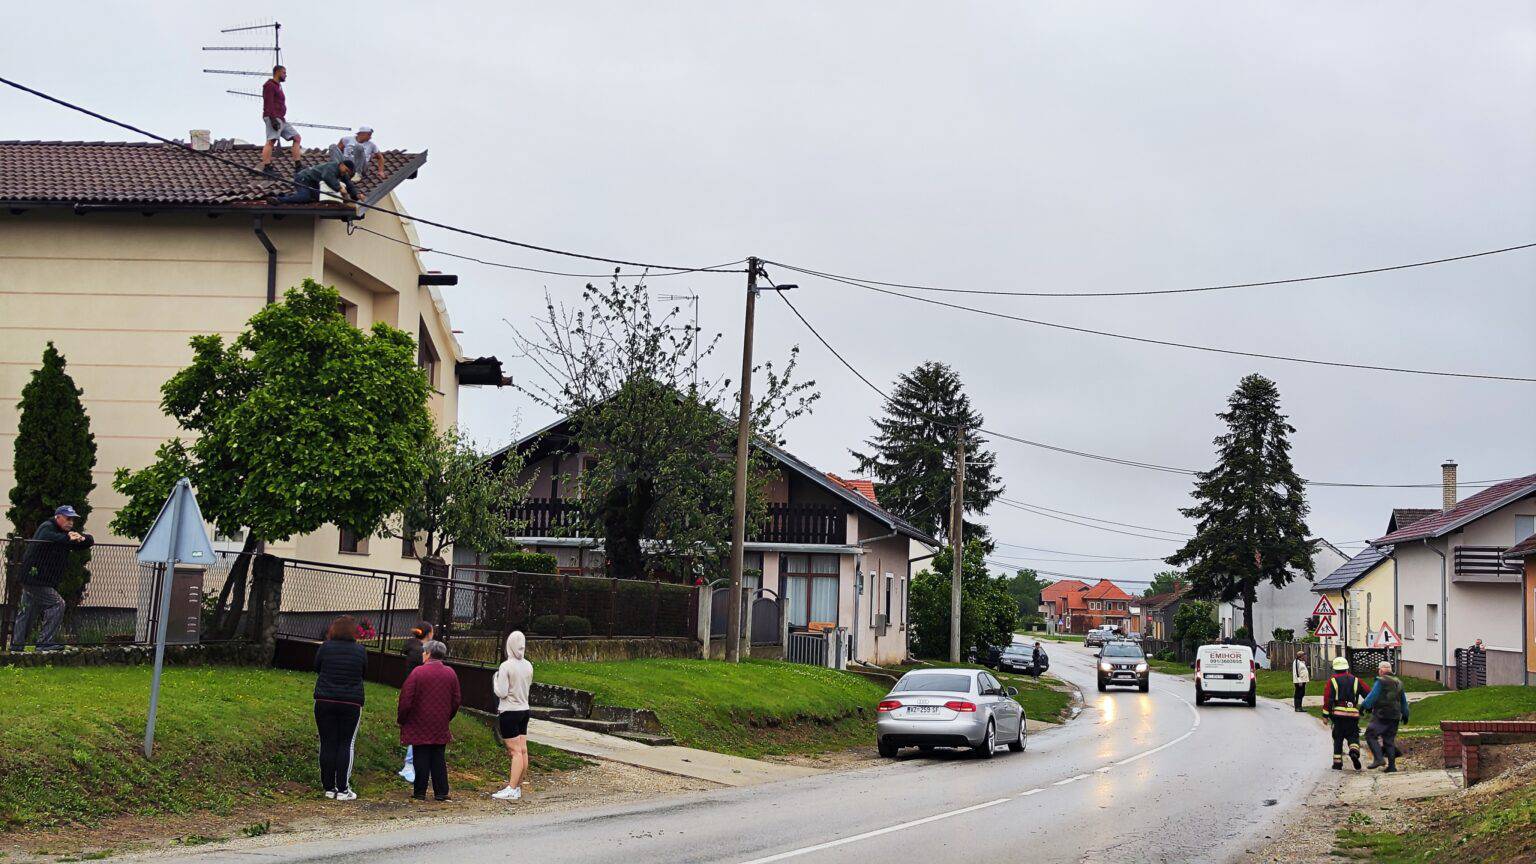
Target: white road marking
1070, 780
876, 833
1030, 792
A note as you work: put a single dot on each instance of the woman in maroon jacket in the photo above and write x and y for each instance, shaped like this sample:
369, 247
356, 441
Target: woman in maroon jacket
428, 700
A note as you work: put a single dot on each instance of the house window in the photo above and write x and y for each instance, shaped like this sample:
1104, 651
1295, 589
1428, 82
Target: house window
810, 589
890, 588
752, 573
408, 546
426, 355
348, 311
1525, 526
1407, 622
352, 543
1431, 621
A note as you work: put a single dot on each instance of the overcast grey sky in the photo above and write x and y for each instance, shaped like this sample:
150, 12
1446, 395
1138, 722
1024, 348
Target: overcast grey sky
1040, 146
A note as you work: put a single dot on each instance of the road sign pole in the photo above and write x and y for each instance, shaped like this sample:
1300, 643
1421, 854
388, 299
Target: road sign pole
167, 579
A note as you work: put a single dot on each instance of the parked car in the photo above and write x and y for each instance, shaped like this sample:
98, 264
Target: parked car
990, 656
1099, 635
1123, 663
1226, 672
1020, 657
950, 708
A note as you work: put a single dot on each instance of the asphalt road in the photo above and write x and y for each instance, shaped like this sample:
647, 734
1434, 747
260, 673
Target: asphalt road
1137, 777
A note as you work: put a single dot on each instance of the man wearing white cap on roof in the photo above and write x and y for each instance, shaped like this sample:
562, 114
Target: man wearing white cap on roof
361, 150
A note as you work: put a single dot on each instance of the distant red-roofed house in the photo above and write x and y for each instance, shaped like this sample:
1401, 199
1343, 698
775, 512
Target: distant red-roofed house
1058, 603
1461, 577
1108, 606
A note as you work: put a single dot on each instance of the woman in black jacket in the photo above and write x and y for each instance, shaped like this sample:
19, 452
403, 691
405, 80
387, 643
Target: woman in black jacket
339, 666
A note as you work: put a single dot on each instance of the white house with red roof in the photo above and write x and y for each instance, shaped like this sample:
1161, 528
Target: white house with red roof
1456, 585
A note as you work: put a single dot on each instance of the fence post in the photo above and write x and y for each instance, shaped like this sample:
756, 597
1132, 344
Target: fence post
565, 584
266, 600
613, 605
701, 627
655, 606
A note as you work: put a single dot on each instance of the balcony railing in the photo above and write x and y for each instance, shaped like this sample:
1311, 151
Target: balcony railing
1485, 564
784, 523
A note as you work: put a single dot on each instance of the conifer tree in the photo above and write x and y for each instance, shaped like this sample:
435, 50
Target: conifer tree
1250, 509
911, 456
55, 452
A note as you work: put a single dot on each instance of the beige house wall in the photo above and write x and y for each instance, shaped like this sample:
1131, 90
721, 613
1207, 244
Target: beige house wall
120, 295
1368, 603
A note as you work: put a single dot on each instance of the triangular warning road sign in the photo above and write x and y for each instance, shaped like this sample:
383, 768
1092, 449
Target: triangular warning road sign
1386, 637
1325, 628
1323, 607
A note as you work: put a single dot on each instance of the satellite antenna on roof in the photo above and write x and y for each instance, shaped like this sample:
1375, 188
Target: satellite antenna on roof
275, 50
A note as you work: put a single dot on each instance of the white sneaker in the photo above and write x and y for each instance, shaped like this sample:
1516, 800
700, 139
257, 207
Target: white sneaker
346, 795
330, 794
511, 793
408, 773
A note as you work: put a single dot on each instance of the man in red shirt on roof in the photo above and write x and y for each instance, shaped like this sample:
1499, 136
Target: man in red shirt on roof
274, 117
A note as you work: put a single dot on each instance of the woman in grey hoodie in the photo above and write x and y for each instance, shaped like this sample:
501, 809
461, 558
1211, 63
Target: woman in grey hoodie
511, 683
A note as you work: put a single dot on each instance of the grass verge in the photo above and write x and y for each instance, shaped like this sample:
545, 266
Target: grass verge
1478, 703
1276, 684
1050, 637
224, 737
751, 709
1499, 827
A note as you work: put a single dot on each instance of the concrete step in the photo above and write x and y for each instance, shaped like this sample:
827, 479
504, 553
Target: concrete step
648, 738
610, 727
543, 712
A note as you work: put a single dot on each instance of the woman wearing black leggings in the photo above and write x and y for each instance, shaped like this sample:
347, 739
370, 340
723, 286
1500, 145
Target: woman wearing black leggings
339, 666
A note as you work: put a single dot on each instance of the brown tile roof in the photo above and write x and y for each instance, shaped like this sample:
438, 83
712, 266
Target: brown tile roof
1106, 590
1525, 548
863, 487
159, 175
1159, 601
1469, 509
1402, 517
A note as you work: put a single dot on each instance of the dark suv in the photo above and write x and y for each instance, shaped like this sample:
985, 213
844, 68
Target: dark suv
1123, 663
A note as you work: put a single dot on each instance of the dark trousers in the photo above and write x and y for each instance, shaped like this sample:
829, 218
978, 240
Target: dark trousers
1301, 690
1345, 729
301, 195
1381, 735
38, 601
337, 722
431, 761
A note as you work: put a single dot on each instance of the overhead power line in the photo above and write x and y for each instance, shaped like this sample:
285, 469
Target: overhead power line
468, 232
1161, 291
1151, 466
1097, 519
1167, 343
1007, 503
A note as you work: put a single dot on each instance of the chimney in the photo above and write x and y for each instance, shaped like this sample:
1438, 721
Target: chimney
201, 139
1448, 484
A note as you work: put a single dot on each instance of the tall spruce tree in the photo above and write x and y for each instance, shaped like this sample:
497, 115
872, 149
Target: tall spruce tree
1251, 509
911, 456
55, 452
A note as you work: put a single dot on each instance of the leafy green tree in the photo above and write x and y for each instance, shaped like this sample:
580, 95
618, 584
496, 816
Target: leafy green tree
1195, 624
912, 454
1025, 587
659, 490
988, 612
1251, 508
1164, 582
54, 454
460, 501
301, 421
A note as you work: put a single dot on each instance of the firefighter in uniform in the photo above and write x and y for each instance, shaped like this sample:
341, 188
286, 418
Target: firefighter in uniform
1341, 709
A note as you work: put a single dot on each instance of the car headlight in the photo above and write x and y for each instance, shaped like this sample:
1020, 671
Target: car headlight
1141, 667
1104, 667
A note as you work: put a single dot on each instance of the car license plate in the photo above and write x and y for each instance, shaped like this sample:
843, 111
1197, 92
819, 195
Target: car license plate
922, 709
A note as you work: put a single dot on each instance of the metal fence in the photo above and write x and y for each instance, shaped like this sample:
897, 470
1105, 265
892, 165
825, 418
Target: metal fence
1471, 668
473, 608
818, 647
1317, 655
117, 604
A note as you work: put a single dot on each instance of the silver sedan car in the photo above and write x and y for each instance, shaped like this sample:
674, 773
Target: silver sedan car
950, 708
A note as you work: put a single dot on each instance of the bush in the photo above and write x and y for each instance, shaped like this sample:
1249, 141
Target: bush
1194, 624
988, 613
1166, 655
1241, 634
522, 562
549, 625
1284, 634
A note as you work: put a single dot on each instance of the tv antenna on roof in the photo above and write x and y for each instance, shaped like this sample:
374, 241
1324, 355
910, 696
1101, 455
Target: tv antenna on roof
275, 50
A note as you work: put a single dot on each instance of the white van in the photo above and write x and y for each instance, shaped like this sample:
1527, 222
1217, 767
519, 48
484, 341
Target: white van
1226, 672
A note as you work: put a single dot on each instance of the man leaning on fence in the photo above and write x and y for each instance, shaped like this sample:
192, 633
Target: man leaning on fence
43, 565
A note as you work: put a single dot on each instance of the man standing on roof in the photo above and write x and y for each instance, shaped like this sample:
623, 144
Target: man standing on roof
336, 176
1388, 705
361, 150
274, 117
1341, 709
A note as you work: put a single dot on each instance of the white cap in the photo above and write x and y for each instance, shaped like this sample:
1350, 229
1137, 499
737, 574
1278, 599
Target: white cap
362, 129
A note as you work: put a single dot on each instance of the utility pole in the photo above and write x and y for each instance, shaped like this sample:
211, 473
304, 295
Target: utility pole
957, 544
743, 443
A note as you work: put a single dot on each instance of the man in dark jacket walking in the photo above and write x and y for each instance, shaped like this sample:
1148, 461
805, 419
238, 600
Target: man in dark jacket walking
43, 565
1388, 705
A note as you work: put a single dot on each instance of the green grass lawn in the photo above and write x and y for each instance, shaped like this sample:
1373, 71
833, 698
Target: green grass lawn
1479, 703
1276, 684
1040, 700
1171, 667
1495, 828
749, 709
225, 736
1050, 637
